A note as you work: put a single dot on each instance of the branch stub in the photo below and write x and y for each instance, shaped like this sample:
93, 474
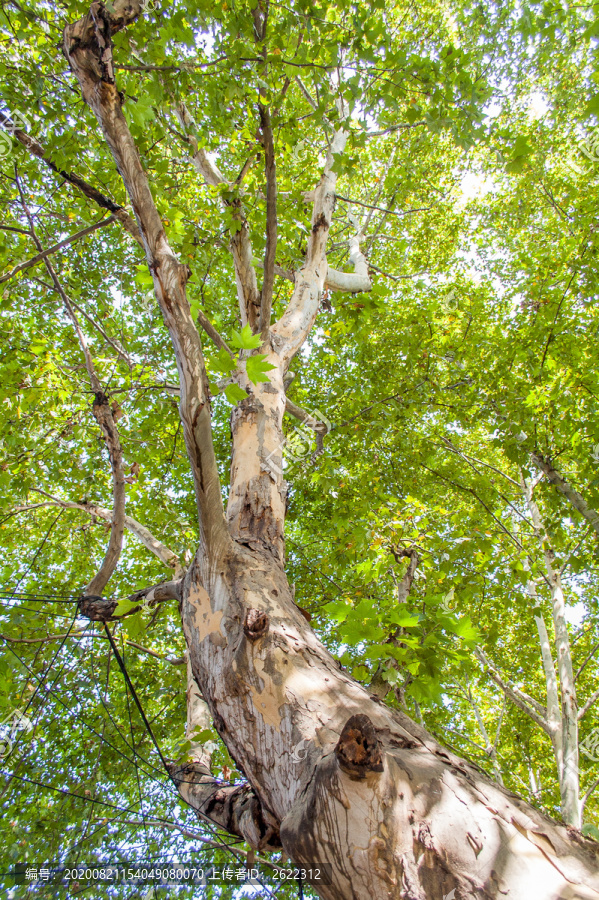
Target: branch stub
97, 608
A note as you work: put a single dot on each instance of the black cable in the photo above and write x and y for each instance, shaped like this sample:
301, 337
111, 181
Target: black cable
50, 787
80, 718
38, 598
141, 805
123, 669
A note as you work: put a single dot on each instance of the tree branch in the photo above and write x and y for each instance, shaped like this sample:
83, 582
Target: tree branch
527, 704
174, 661
45, 253
98, 609
212, 333
240, 246
587, 796
576, 499
584, 710
586, 660
92, 193
359, 279
292, 329
88, 48
271, 220
160, 550
405, 585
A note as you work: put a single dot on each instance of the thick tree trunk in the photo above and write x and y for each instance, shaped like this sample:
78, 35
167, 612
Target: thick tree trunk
369, 791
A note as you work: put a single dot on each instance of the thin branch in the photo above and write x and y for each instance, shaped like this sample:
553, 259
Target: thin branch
174, 661
586, 660
479, 462
527, 704
92, 193
120, 351
388, 212
271, 220
160, 550
584, 709
586, 797
293, 327
212, 333
45, 253
306, 94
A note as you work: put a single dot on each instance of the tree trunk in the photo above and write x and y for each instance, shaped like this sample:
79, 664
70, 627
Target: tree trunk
369, 791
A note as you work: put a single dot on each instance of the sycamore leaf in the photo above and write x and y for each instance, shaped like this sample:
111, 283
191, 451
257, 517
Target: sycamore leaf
245, 340
234, 394
124, 606
466, 630
223, 362
256, 368
403, 619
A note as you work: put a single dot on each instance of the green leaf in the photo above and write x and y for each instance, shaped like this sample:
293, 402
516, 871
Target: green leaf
590, 830
466, 630
234, 394
256, 368
245, 340
223, 362
124, 606
403, 618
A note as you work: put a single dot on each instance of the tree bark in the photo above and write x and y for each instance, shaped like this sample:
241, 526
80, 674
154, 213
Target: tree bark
394, 813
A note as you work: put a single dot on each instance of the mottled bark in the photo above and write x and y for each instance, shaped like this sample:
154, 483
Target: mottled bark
396, 814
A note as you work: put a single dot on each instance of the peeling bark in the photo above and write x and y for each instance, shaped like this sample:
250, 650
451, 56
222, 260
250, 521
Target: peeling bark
414, 821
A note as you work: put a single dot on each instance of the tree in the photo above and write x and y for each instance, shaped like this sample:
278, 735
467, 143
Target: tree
330, 771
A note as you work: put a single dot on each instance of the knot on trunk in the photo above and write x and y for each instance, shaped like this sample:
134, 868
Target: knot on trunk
97, 608
255, 624
321, 222
100, 399
358, 750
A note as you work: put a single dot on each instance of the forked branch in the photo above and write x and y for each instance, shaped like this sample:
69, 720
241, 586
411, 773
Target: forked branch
240, 245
